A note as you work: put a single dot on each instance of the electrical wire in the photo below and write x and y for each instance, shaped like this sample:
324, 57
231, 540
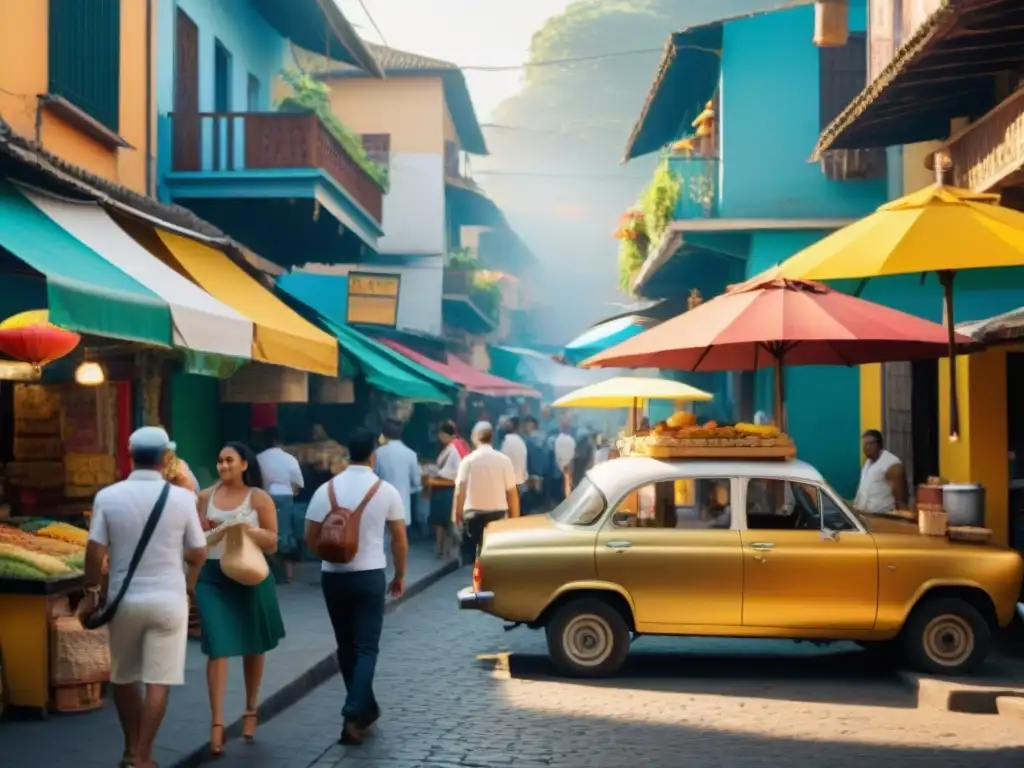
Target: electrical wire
373, 23
578, 59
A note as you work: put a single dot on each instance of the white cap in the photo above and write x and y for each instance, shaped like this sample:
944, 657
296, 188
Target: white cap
150, 439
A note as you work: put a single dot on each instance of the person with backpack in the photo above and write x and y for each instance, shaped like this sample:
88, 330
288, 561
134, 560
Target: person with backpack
345, 524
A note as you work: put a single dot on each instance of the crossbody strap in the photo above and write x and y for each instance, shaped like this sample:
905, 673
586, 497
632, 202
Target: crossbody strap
140, 548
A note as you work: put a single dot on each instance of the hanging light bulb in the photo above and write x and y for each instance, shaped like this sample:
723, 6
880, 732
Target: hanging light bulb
90, 374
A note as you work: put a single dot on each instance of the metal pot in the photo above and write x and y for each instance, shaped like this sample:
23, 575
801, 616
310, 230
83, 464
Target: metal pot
965, 504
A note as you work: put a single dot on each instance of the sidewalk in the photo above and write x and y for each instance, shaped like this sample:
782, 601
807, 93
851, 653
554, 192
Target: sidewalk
304, 659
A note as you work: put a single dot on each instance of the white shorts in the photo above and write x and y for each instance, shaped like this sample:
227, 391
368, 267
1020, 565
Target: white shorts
148, 642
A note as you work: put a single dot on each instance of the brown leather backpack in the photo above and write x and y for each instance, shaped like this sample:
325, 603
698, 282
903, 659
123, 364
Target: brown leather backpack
339, 532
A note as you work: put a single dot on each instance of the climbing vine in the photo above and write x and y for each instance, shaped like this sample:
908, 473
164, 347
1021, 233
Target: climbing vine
645, 223
308, 94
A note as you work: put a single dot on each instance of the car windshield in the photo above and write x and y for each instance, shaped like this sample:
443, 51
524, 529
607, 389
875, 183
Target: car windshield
583, 507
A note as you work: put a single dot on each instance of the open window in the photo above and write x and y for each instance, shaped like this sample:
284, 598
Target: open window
685, 503
786, 505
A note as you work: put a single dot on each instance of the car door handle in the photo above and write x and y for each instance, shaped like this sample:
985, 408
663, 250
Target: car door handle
762, 546
619, 546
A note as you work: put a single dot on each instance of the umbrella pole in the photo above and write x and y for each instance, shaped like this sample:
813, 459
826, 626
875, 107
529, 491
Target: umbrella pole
634, 420
780, 393
946, 278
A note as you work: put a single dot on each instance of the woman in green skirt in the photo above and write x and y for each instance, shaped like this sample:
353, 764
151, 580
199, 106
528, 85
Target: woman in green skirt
237, 620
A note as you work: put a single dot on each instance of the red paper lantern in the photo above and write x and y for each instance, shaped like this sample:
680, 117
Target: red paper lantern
37, 344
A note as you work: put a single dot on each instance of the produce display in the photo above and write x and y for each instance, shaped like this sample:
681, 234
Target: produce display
681, 436
55, 549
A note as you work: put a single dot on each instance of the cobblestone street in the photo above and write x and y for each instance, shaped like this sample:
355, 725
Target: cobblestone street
459, 691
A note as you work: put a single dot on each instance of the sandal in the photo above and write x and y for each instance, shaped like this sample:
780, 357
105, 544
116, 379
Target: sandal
249, 723
216, 739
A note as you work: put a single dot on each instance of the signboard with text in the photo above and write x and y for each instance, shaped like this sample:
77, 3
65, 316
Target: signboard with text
373, 298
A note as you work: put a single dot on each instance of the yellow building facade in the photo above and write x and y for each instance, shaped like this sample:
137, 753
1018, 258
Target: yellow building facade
78, 79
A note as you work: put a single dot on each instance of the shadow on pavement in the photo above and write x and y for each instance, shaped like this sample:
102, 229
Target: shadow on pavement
849, 677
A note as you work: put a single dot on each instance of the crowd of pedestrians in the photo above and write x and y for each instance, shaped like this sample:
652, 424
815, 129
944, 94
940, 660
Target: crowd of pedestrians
156, 539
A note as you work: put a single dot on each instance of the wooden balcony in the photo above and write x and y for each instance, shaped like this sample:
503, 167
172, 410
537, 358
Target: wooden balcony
240, 141
989, 153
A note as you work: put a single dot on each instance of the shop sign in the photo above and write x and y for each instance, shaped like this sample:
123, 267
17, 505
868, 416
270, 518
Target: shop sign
373, 298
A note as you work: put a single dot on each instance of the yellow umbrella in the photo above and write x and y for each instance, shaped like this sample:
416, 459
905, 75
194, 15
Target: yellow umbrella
938, 229
630, 392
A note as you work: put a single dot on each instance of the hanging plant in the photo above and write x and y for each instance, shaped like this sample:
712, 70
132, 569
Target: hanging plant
310, 95
632, 255
461, 258
659, 201
486, 293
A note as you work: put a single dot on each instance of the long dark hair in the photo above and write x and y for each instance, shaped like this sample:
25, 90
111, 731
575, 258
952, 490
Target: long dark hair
252, 477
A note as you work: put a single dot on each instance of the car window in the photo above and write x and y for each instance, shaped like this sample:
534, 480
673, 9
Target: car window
780, 505
694, 503
582, 507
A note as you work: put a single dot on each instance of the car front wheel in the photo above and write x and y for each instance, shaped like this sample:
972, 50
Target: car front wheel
587, 637
946, 636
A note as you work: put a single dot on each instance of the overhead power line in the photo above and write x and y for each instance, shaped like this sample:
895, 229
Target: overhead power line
577, 59
373, 23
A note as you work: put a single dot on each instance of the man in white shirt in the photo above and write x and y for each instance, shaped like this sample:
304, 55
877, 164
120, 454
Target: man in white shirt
515, 448
282, 479
399, 465
355, 591
149, 629
883, 479
485, 490
565, 452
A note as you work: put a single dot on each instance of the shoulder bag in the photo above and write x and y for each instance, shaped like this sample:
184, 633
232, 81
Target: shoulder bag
103, 614
339, 532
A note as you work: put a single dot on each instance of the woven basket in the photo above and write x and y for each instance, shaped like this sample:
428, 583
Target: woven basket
970, 533
931, 523
78, 655
77, 697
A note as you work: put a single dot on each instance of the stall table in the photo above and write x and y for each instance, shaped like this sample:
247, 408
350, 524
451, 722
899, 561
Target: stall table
25, 606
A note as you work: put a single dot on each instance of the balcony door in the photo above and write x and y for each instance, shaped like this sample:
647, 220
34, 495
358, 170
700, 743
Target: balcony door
186, 94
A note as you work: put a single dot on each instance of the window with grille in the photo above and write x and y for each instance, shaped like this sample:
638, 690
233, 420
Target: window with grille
85, 56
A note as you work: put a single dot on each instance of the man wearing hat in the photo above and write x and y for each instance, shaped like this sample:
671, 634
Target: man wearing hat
149, 628
485, 490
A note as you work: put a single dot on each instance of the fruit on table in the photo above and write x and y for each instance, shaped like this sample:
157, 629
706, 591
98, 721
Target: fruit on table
16, 569
76, 562
65, 532
55, 547
681, 419
759, 430
49, 565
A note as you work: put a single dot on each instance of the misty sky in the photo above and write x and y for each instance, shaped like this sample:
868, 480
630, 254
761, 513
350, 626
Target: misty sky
466, 32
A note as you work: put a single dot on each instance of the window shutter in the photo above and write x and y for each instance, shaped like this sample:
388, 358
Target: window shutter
85, 56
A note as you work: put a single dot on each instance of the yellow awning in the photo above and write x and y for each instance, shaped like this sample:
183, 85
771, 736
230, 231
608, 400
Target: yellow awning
280, 335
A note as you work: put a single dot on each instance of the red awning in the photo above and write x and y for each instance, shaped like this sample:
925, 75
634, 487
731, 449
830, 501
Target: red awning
465, 374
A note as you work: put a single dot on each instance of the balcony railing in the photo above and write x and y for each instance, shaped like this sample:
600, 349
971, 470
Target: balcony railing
990, 150
236, 141
461, 284
698, 186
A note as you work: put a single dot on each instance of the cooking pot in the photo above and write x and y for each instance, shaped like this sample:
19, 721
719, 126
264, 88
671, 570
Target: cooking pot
965, 504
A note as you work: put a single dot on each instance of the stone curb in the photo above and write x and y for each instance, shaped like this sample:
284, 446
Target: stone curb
949, 696
322, 671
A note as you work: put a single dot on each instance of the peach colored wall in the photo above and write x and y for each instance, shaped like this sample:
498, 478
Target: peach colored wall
24, 75
411, 109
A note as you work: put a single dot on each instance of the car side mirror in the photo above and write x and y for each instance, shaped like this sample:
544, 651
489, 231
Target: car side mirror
827, 534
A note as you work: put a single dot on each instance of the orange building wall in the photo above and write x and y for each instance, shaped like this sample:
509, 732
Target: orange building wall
24, 76
411, 109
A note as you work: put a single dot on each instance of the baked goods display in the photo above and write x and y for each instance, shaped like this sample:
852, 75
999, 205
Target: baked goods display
680, 436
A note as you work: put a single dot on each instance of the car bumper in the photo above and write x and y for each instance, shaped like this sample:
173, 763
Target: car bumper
475, 601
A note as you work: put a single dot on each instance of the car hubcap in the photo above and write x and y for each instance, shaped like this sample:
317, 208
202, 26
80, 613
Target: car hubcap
948, 640
587, 640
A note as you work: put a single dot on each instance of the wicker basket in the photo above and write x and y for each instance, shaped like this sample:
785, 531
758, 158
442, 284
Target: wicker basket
932, 523
77, 697
77, 654
970, 533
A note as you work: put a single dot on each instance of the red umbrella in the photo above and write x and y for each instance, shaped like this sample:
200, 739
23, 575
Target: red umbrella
780, 322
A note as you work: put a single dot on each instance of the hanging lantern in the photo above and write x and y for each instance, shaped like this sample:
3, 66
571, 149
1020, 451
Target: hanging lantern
32, 318
37, 344
831, 23
90, 374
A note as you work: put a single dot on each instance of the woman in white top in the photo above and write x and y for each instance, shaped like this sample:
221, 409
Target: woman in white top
237, 620
442, 487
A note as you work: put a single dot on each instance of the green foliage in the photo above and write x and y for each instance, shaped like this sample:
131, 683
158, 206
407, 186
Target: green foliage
461, 258
486, 294
308, 94
632, 255
659, 200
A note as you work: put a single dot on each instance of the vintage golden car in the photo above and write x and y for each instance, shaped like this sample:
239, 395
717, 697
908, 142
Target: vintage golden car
760, 549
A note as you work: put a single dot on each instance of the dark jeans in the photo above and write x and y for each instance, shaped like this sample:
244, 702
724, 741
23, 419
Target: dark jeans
355, 603
473, 535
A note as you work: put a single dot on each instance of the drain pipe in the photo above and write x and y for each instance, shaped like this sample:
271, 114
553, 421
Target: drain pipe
149, 98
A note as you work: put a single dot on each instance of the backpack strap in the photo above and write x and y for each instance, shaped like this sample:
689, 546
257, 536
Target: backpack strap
368, 497
332, 499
